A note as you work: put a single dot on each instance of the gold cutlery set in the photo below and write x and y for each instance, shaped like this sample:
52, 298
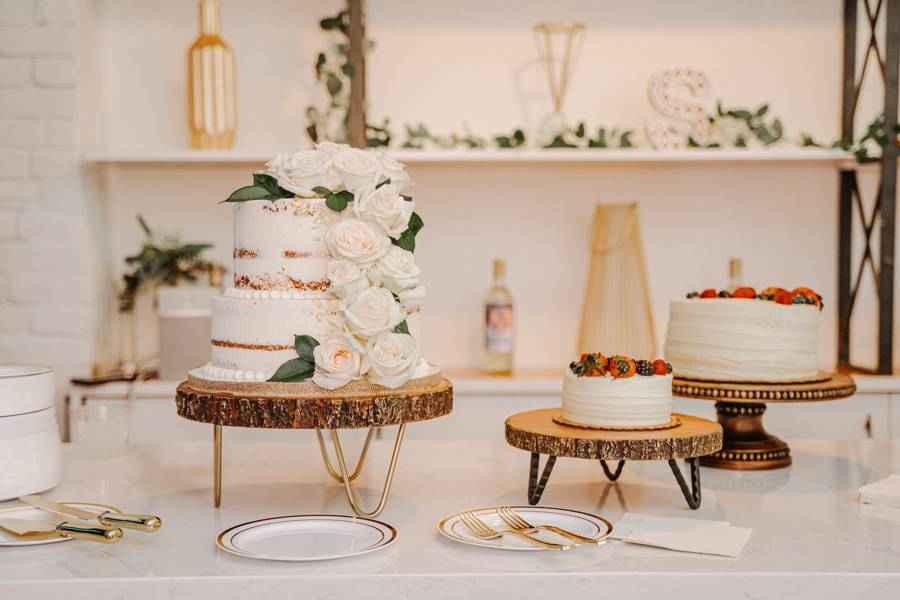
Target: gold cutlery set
98, 526
518, 526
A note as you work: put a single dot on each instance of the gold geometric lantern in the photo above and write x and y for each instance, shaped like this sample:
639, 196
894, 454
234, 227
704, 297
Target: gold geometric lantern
559, 45
211, 93
616, 317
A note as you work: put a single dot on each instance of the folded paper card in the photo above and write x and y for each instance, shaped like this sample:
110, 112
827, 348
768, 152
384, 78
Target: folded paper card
685, 535
882, 493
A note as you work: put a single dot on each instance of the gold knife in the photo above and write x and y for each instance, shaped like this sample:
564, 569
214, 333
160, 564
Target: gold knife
147, 523
67, 529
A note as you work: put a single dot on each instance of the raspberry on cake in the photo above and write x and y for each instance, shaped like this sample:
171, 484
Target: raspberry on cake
627, 393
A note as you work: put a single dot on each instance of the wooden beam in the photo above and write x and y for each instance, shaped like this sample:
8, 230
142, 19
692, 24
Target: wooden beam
356, 33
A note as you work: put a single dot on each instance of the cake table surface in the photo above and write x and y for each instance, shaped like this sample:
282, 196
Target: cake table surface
450, 466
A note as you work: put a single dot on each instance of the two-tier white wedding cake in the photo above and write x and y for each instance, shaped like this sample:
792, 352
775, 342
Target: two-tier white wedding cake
326, 287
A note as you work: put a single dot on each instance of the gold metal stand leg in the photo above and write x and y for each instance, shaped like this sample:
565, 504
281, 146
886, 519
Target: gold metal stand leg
346, 478
217, 465
359, 463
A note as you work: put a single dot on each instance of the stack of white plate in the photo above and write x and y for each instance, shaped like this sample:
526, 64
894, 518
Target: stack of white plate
30, 460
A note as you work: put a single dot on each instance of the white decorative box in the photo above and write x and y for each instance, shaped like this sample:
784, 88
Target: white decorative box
30, 459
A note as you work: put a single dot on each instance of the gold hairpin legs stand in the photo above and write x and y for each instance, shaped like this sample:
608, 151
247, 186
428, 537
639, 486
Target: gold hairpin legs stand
359, 463
217, 465
348, 478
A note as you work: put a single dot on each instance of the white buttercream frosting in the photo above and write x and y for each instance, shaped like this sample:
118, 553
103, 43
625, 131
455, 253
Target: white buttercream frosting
728, 339
638, 401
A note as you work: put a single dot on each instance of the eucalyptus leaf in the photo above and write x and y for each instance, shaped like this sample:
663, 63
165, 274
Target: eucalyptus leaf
322, 191
762, 110
333, 84
403, 327
304, 345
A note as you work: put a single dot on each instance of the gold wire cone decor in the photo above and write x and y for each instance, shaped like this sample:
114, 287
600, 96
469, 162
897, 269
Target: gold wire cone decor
211, 93
616, 317
559, 44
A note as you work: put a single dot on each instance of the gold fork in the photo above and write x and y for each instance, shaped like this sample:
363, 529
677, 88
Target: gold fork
485, 532
514, 520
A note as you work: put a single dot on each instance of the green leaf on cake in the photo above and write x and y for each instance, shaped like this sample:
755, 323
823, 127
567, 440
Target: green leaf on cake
295, 369
403, 327
250, 192
322, 191
304, 345
405, 197
265, 181
385, 182
338, 202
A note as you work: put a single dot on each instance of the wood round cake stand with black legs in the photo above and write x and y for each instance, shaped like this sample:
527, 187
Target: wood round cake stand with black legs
537, 432
281, 406
740, 408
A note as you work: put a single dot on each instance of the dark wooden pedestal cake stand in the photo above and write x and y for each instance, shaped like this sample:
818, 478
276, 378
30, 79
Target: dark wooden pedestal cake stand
304, 406
540, 432
740, 408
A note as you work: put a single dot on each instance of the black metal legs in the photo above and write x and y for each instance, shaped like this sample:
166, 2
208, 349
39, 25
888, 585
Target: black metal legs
536, 485
612, 476
692, 495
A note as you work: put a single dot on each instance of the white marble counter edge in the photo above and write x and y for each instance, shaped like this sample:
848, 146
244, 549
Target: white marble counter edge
670, 585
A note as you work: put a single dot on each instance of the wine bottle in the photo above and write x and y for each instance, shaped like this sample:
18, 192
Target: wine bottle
498, 325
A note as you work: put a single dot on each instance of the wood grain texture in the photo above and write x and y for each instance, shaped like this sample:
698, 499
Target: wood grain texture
838, 385
387, 408
536, 431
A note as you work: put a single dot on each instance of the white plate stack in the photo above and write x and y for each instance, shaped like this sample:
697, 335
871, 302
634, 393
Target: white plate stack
30, 460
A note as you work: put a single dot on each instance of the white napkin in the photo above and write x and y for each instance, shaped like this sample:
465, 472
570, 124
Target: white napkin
882, 493
686, 535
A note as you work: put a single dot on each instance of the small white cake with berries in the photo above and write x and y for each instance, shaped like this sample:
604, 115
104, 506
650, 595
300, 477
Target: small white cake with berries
617, 392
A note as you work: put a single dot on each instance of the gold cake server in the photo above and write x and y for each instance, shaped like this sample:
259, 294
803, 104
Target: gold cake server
110, 518
68, 529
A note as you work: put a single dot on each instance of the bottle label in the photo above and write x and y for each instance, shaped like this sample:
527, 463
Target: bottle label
498, 331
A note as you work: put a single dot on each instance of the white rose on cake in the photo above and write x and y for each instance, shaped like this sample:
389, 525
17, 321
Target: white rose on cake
386, 208
411, 295
300, 171
347, 279
338, 361
372, 312
359, 170
395, 171
396, 270
393, 357
356, 240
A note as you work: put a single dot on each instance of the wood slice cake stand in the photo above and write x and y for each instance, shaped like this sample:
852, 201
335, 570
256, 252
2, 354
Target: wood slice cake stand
306, 406
538, 432
740, 408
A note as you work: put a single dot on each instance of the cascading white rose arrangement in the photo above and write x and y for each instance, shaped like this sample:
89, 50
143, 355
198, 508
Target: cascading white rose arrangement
372, 269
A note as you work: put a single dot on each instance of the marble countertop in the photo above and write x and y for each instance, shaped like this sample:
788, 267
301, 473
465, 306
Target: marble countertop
811, 537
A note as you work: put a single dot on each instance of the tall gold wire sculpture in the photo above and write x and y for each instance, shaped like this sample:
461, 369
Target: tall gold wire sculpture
617, 317
559, 44
212, 115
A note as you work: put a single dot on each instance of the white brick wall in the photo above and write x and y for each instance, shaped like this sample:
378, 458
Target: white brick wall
49, 298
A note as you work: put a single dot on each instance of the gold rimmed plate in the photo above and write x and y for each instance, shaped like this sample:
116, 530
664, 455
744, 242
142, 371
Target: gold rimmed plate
306, 538
578, 522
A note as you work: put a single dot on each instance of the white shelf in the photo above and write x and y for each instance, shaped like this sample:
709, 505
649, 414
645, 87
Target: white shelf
622, 156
